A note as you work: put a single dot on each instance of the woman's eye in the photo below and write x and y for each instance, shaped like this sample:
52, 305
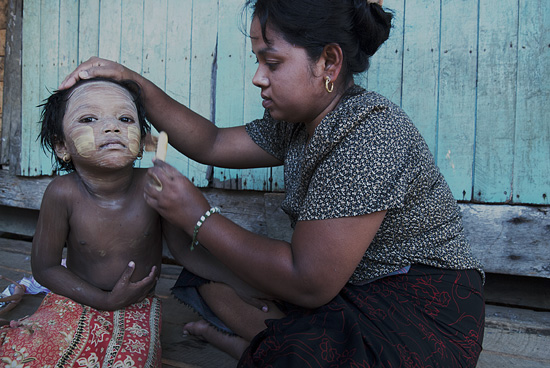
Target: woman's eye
272, 66
87, 119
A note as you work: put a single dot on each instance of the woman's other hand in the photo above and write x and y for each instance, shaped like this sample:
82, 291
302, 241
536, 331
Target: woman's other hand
96, 67
174, 196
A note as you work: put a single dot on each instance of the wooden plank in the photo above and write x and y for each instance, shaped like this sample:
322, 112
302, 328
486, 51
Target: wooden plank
204, 33
257, 179
496, 101
20, 221
68, 38
154, 44
30, 81
456, 130
40, 163
520, 291
532, 136
515, 338
421, 67
110, 23
10, 144
131, 34
22, 192
385, 74
131, 48
230, 80
512, 240
88, 30
178, 65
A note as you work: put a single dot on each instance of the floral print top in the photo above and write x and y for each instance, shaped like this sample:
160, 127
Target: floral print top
367, 156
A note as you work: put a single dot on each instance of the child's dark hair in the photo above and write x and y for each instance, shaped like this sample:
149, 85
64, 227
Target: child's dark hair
55, 106
358, 26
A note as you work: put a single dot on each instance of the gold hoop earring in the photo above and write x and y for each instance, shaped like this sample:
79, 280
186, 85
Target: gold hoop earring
66, 158
329, 85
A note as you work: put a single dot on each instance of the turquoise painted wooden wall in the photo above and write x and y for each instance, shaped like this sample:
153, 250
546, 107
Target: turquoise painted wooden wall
474, 75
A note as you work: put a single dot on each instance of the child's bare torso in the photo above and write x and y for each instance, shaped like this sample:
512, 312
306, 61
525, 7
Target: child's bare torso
105, 235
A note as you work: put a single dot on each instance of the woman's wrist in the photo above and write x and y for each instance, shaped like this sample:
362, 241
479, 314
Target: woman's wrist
199, 223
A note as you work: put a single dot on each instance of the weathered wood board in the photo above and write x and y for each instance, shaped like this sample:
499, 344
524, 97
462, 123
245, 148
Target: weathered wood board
508, 239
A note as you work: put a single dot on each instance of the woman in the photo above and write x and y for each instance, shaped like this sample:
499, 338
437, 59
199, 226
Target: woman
378, 271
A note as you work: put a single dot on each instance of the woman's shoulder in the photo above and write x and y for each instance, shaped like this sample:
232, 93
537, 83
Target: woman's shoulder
358, 97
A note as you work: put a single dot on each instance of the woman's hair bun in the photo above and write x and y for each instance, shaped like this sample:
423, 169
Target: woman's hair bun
372, 25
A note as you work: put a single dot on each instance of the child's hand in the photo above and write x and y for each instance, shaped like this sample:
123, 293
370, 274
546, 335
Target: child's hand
126, 292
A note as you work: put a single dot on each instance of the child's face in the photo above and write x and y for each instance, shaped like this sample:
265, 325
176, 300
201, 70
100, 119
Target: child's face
101, 126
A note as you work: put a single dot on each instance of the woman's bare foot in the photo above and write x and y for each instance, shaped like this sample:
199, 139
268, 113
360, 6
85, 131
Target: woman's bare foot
232, 345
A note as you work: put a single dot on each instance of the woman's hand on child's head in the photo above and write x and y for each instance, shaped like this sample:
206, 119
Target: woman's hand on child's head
174, 196
126, 292
94, 67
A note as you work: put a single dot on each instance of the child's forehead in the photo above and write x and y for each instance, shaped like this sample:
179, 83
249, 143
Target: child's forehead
100, 89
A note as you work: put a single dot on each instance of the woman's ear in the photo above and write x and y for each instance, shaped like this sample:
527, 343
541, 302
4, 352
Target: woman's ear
333, 59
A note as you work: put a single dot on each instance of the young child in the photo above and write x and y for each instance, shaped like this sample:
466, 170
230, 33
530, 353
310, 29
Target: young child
101, 311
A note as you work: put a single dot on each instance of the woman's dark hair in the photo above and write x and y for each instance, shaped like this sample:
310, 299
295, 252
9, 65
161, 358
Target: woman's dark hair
359, 27
55, 106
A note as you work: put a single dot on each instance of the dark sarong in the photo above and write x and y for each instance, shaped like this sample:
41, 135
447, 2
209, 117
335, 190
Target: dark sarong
428, 317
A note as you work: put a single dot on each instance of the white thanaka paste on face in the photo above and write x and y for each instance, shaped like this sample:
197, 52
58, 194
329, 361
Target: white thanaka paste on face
134, 139
84, 141
106, 102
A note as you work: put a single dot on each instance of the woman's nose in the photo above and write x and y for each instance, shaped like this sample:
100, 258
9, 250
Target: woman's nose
259, 79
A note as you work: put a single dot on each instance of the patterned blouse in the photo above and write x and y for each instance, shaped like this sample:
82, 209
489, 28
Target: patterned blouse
367, 156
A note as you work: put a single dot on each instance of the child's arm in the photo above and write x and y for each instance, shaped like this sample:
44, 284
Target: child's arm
47, 248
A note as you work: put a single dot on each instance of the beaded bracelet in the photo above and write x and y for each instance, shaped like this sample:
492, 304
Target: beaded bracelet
203, 218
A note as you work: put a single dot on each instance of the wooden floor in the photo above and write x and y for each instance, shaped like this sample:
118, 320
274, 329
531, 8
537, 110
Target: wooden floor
514, 337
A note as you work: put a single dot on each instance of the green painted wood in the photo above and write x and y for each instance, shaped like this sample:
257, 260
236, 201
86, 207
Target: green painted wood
178, 64
230, 81
41, 163
88, 30
30, 85
457, 94
532, 135
153, 50
490, 139
385, 74
496, 97
68, 37
110, 22
258, 179
232, 77
131, 34
204, 38
421, 66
